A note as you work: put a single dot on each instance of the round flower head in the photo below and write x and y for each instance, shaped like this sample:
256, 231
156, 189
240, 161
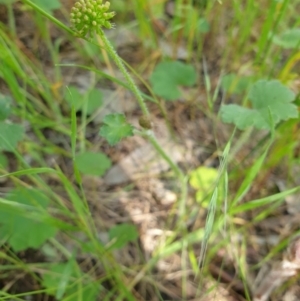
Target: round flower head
89, 15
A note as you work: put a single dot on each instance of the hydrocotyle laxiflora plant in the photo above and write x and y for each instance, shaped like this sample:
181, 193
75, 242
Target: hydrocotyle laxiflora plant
89, 17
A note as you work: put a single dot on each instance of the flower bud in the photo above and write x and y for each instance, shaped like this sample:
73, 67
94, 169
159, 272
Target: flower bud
89, 15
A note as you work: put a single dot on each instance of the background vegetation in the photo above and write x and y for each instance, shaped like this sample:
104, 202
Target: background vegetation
180, 188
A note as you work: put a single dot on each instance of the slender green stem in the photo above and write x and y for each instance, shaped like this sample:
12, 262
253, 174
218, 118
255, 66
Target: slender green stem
148, 134
60, 247
122, 68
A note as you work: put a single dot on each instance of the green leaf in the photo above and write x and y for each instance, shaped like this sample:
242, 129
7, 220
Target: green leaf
203, 26
95, 101
21, 231
204, 179
288, 39
65, 280
94, 164
122, 234
5, 106
168, 76
10, 135
115, 128
241, 117
271, 103
48, 6
272, 199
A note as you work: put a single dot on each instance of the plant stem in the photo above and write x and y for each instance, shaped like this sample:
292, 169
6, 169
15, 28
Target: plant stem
149, 134
119, 63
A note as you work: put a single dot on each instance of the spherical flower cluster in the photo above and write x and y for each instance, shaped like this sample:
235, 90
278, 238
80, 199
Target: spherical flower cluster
90, 15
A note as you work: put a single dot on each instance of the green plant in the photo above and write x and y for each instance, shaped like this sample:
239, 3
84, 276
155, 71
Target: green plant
47, 136
65, 280
271, 104
10, 133
288, 39
203, 180
168, 76
115, 127
89, 101
92, 163
23, 220
88, 17
120, 235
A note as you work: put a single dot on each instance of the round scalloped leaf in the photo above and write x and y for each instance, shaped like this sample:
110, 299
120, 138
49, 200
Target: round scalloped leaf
288, 39
19, 225
115, 127
95, 164
10, 135
5, 106
271, 103
169, 76
122, 234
